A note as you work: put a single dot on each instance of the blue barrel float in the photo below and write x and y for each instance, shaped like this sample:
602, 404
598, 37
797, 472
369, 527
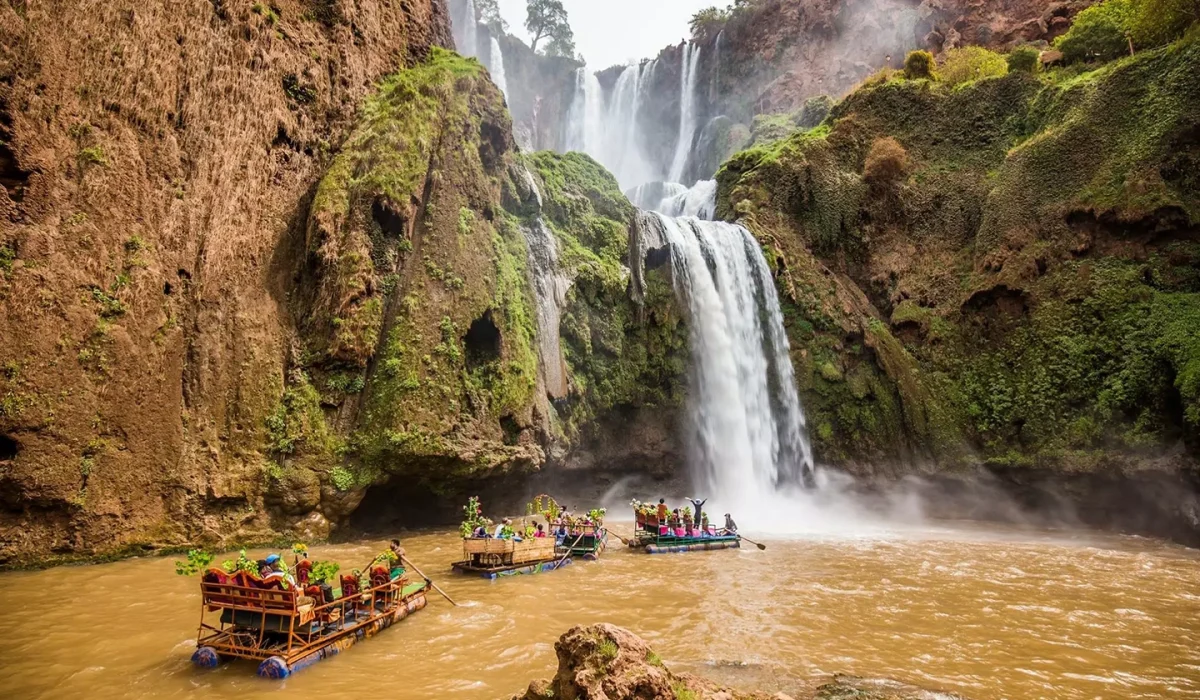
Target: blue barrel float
206, 657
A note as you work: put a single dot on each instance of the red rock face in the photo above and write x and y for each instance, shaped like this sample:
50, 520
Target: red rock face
154, 162
788, 50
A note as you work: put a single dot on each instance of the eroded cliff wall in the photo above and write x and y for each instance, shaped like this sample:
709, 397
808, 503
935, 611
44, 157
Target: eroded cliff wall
157, 158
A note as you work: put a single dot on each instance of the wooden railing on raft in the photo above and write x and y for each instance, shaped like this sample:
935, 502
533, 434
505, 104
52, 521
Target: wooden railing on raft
245, 593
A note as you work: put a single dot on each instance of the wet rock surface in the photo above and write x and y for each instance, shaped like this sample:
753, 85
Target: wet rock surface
606, 662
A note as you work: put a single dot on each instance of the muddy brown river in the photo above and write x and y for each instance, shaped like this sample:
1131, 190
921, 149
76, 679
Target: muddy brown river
991, 615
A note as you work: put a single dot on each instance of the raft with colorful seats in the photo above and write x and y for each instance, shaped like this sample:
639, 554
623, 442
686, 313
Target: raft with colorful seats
667, 536
493, 558
585, 541
285, 630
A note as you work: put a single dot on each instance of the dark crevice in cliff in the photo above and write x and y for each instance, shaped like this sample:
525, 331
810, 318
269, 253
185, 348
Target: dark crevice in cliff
482, 341
13, 178
9, 447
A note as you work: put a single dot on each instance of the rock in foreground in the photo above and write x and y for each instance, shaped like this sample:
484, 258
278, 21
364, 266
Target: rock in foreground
606, 662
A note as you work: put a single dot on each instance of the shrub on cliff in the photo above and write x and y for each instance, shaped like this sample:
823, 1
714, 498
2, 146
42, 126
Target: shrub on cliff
1158, 22
971, 63
1099, 33
919, 64
1024, 59
708, 22
887, 162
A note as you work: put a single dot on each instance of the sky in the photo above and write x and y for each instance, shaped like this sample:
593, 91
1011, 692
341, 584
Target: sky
608, 32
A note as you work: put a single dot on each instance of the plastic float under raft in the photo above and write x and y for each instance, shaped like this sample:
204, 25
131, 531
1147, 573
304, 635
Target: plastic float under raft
288, 630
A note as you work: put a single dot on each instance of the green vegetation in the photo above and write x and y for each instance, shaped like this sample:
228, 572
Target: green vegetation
1024, 59
547, 19
8, 254
969, 63
268, 12
615, 358
297, 91
1116, 28
1025, 328
919, 65
92, 155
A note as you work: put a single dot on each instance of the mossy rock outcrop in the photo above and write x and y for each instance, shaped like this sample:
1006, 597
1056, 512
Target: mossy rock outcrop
423, 354
1011, 283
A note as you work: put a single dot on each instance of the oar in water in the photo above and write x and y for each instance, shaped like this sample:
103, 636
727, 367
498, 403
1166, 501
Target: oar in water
570, 548
422, 575
623, 540
760, 546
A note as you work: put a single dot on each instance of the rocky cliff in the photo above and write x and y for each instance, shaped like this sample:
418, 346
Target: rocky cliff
1000, 274
257, 259
768, 57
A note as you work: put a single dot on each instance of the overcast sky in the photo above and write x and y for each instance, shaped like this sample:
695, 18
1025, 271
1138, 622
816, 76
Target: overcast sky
608, 32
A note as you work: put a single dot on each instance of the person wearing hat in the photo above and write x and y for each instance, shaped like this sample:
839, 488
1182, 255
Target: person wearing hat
275, 570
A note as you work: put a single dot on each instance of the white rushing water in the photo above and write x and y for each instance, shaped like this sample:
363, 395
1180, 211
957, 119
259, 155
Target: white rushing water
607, 127
465, 29
687, 111
699, 201
747, 426
496, 67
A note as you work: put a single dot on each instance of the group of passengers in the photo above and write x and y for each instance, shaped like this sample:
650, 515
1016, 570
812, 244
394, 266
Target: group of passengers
565, 525
273, 570
687, 522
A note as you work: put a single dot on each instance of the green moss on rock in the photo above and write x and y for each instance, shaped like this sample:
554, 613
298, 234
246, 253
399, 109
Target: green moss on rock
1036, 265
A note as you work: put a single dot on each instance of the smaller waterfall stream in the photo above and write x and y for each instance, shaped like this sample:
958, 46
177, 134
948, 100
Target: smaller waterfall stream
687, 111
549, 292
465, 29
496, 67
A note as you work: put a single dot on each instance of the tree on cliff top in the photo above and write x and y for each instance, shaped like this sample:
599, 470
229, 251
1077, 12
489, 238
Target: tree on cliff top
547, 19
487, 12
708, 23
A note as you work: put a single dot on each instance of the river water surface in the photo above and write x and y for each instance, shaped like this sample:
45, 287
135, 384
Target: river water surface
1014, 614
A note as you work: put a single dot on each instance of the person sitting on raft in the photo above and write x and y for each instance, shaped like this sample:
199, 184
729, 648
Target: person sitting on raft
730, 526
274, 571
541, 531
480, 532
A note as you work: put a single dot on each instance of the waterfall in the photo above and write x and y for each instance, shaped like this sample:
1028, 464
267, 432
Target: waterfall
465, 29
496, 67
747, 426
699, 201
687, 110
586, 133
622, 150
549, 292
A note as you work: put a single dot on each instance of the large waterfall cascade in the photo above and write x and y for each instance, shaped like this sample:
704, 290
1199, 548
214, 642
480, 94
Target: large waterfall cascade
746, 423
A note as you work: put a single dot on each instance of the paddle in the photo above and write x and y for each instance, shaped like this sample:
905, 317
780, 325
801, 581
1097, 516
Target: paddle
760, 546
431, 583
623, 540
569, 549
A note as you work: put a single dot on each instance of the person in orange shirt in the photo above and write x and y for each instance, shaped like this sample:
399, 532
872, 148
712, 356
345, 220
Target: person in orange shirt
663, 511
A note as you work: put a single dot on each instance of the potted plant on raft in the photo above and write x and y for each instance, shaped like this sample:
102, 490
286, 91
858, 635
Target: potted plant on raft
472, 517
